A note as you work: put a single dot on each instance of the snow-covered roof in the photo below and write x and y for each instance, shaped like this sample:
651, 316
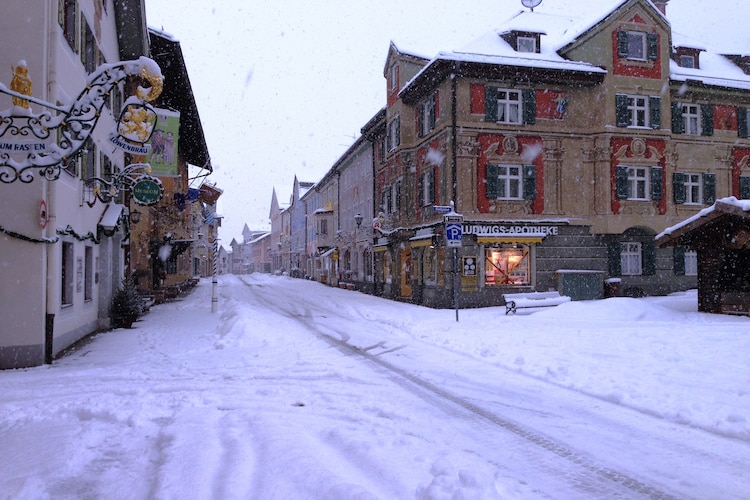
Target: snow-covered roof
730, 204
559, 32
715, 70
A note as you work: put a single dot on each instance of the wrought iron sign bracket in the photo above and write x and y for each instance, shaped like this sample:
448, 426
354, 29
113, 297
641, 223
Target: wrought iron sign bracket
20, 156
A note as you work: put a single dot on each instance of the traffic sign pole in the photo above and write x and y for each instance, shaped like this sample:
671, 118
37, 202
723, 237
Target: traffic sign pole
453, 234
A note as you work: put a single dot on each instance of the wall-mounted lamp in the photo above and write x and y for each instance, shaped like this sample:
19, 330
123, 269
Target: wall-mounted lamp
135, 216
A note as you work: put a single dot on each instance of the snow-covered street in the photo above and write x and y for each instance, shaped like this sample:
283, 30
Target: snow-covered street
298, 390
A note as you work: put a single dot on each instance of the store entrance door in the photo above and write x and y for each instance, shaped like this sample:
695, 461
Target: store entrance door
405, 259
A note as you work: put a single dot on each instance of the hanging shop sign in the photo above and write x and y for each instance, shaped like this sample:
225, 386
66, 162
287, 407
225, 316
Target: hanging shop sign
162, 154
147, 190
135, 127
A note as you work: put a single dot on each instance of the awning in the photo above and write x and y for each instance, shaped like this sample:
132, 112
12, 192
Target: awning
421, 242
510, 239
327, 252
111, 216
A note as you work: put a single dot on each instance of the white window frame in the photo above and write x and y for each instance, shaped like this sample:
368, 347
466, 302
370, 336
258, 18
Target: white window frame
687, 61
631, 258
393, 76
691, 119
427, 189
639, 183
88, 280
693, 189
638, 109
691, 263
509, 106
637, 46
526, 44
394, 133
510, 182
426, 108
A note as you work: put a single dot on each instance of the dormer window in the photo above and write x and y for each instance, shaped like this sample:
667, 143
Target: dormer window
687, 57
526, 44
687, 61
523, 41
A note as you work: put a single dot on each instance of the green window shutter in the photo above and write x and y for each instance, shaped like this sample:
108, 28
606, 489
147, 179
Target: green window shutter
420, 191
613, 256
622, 43
621, 182
678, 186
433, 108
649, 258
490, 104
707, 119
529, 182
657, 183
621, 109
709, 189
744, 187
529, 106
652, 42
420, 120
654, 104
678, 127
679, 260
742, 122
491, 181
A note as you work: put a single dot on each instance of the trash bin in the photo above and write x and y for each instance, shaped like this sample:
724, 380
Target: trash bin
612, 287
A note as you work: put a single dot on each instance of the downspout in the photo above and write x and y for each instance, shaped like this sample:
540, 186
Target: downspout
454, 120
52, 254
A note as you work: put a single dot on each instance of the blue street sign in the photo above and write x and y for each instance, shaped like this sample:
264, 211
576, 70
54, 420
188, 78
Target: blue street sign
453, 234
442, 209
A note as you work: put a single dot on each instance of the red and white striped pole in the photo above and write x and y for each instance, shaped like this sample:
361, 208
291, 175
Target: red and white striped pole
214, 279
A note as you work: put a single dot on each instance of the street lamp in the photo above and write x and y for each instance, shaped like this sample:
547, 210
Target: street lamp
358, 220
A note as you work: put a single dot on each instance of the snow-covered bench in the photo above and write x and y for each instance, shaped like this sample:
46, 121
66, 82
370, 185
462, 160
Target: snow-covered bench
515, 301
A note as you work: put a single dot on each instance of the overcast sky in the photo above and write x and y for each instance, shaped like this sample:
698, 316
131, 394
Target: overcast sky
283, 87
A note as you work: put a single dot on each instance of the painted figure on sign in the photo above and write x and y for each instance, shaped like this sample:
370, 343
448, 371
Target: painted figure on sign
21, 83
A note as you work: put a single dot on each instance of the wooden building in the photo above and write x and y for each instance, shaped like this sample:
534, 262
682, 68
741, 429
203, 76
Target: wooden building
720, 235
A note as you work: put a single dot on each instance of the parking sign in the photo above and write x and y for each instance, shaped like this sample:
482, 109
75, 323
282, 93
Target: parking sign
453, 230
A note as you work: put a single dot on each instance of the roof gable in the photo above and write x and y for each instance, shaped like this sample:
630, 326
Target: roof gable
728, 209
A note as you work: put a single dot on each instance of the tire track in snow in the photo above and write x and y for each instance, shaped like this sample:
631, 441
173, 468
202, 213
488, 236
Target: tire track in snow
340, 339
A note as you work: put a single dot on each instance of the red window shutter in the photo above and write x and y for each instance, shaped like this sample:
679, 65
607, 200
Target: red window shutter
477, 99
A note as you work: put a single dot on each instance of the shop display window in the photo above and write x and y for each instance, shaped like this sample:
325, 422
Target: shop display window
507, 265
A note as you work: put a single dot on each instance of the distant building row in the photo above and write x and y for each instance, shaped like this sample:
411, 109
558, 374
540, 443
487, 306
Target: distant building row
566, 146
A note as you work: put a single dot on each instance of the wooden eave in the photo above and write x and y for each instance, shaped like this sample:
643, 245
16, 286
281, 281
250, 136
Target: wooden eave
712, 222
441, 69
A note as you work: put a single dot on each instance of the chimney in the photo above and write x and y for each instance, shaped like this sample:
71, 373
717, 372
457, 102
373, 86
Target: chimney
661, 5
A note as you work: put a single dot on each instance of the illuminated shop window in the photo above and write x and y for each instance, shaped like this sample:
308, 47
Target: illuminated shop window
507, 265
